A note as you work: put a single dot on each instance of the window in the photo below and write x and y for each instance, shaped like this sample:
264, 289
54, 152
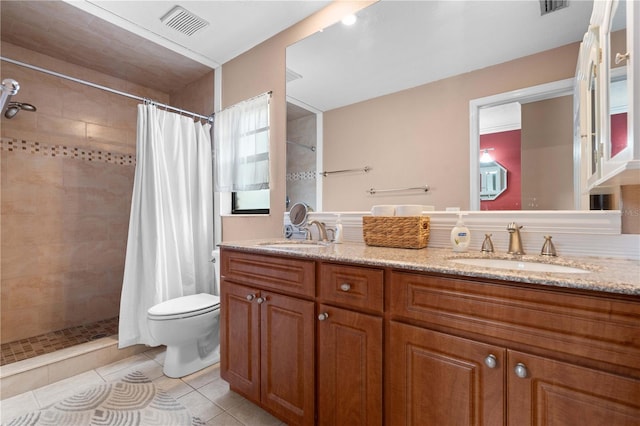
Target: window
241, 136
250, 202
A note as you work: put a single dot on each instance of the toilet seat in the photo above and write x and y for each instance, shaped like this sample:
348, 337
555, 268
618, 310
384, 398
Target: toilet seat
184, 307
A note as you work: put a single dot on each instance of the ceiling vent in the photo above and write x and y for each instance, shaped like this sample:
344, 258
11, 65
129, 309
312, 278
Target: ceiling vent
548, 6
183, 21
292, 75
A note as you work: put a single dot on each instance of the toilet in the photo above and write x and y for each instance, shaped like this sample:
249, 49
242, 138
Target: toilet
189, 326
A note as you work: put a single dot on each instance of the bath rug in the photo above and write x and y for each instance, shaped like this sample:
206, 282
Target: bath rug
132, 401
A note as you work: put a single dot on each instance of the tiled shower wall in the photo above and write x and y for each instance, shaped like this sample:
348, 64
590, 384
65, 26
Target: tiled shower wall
301, 162
67, 178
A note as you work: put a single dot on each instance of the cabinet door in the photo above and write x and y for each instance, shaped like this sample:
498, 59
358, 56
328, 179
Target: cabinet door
437, 379
240, 339
349, 368
287, 357
556, 393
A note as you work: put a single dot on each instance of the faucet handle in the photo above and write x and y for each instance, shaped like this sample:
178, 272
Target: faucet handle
513, 227
548, 249
487, 245
307, 234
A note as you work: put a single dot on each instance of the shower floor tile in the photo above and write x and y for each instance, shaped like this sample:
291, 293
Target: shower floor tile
51, 342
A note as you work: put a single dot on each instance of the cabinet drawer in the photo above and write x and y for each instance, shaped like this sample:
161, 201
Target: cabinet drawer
287, 275
352, 286
602, 331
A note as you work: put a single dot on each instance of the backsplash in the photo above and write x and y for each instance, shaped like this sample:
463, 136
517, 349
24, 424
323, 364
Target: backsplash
575, 233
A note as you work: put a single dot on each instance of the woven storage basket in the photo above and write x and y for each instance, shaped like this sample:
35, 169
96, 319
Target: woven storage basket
396, 231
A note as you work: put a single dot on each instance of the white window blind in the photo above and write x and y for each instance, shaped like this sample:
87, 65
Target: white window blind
241, 139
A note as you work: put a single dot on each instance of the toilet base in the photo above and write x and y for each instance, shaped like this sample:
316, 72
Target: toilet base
181, 361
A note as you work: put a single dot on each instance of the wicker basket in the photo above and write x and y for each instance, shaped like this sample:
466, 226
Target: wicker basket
396, 231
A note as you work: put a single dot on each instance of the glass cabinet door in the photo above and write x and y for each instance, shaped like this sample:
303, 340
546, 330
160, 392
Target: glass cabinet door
617, 93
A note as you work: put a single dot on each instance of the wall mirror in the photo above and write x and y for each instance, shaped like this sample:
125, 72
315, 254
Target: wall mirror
493, 180
304, 155
335, 67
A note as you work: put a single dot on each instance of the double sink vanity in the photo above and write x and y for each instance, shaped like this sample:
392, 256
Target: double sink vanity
345, 334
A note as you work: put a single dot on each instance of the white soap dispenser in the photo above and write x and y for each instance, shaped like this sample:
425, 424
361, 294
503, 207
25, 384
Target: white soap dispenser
460, 236
339, 237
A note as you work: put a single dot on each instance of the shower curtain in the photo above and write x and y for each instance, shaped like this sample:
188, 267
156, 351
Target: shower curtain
171, 223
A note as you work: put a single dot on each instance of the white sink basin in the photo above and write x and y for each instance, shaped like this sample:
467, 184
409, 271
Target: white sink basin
295, 244
519, 265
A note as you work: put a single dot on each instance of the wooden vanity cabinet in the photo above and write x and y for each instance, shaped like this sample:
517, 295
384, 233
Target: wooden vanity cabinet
267, 333
349, 346
466, 352
438, 379
305, 340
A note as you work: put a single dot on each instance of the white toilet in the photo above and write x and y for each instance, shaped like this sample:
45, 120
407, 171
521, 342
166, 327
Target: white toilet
190, 328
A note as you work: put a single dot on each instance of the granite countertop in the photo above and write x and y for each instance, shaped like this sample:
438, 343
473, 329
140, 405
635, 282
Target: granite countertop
605, 274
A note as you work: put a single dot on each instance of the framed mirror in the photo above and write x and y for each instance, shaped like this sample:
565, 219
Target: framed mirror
530, 130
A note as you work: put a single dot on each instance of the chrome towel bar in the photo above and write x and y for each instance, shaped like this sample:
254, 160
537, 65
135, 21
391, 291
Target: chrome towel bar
366, 169
423, 188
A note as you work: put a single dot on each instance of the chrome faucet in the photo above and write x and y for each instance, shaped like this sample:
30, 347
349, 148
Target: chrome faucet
515, 242
322, 230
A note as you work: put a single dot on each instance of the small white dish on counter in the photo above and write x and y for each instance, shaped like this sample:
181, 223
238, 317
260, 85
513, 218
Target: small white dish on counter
409, 210
383, 210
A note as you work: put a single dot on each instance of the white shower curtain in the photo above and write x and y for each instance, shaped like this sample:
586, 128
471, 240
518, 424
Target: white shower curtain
171, 224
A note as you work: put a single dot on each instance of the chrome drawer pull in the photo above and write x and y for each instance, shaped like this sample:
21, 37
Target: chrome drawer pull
521, 370
250, 297
323, 316
345, 286
491, 361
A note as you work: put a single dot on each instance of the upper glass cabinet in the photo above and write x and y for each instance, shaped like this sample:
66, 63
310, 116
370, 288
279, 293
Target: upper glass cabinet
589, 127
607, 82
614, 104
617, 94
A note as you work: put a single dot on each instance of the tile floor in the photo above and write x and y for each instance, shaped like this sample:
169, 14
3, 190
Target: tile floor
204, 393
51, 342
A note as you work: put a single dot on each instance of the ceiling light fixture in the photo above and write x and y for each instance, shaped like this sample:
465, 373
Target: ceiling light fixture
349, 19
486, 157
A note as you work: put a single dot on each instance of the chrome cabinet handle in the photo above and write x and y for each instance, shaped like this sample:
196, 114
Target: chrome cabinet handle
521, 370
250, 297
261, 300
491, 361
620, 57
345, 286
323, 316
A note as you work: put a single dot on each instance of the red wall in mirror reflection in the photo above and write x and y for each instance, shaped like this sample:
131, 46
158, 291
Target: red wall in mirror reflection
507, 152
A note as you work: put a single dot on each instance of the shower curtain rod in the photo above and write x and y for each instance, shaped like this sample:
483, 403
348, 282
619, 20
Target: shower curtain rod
209, 118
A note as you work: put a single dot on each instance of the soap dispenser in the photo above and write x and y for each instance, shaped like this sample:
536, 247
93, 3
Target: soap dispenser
460, 236
339, 237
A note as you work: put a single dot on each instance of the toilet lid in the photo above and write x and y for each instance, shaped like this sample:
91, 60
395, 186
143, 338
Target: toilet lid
194, 305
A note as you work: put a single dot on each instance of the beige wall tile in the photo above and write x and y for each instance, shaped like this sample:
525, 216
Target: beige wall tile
110, 135
61, 126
